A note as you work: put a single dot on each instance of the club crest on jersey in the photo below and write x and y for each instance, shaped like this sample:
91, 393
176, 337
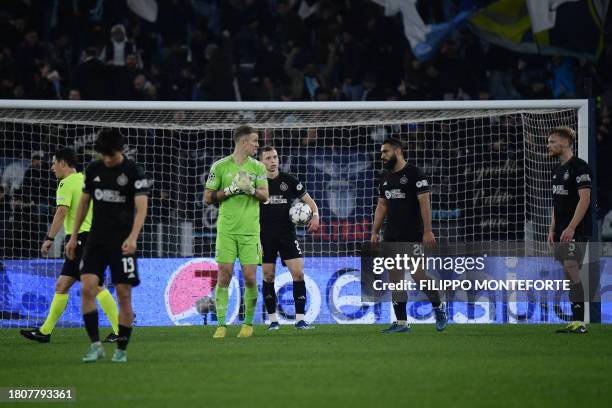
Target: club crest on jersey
284, 186
122, 180
566, 175
404, 180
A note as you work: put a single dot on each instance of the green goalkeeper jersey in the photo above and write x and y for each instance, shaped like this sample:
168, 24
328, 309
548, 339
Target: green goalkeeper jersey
238, 214
69, 193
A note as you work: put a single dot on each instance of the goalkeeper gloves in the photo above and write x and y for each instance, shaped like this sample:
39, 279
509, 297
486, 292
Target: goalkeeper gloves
244, 183
240, 184
232, 189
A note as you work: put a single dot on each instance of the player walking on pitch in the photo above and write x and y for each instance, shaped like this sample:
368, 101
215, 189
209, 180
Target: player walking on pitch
278, 236
238, 184
571, 225
67, 199
118, 189
404, 202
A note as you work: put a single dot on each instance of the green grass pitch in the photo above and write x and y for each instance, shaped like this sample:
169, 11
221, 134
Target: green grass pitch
331, 366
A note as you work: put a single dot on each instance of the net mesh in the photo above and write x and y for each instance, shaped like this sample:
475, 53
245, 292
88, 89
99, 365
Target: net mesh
488, 169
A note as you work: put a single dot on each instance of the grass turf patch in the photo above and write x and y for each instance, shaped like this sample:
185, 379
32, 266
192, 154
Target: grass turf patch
333, 365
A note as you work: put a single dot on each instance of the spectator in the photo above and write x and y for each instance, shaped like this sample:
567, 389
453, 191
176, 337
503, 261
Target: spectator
29, 55
142, 89
563, 83
47, 83
91, 77
24, 232
36, 185
119, 47
74, 95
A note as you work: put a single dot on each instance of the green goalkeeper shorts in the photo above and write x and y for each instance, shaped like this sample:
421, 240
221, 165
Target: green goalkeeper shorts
246, 248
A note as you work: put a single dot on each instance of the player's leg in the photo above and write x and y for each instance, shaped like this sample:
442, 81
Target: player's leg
399, 299
570, 254
124, 273
126, 318
249, 273
226, 251
249, 253
109, 307
58, 305
269, 293
89, 289
92, 268
296, 268
439, 307
270, 246
291, 254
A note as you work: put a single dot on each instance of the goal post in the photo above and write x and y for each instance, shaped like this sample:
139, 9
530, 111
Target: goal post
486, 160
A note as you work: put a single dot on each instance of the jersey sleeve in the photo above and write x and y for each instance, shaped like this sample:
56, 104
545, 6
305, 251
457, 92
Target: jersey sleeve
89, 176
381, 190
297, 188
213, 182
421, 183
141, 183
260, 176
63, 196
583, 175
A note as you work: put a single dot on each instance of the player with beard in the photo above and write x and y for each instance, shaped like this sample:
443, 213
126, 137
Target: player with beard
404, 202
571, 225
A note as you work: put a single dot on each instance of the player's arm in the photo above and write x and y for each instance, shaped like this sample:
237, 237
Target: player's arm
78, 220
141, 202
551, 229
583, 184
379, 217
214, 196
422, 191
314, 223
424, 204
56, 225
262, 194
261, 184
582, 207
214, 192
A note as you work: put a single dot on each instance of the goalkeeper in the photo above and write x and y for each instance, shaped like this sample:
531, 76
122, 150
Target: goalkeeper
237, 183
68, 196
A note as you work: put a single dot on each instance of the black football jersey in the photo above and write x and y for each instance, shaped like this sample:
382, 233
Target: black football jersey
112, 190
274, 213
401, 190
567, 179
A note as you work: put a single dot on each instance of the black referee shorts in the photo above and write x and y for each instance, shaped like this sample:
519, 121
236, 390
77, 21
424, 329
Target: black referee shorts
71, 267
571, 251
287, 245
97, 256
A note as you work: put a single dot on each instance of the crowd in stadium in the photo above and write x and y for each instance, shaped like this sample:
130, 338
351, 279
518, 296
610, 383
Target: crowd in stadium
274, 50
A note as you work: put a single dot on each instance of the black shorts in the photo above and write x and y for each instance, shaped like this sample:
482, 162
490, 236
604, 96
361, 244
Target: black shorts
71, 267
571, 251
286, 245
390, 236
96, 257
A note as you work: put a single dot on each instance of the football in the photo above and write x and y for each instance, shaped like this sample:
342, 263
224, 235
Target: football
300, 213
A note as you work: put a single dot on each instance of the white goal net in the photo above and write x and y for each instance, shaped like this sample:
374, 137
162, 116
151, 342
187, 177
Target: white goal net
487, 164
